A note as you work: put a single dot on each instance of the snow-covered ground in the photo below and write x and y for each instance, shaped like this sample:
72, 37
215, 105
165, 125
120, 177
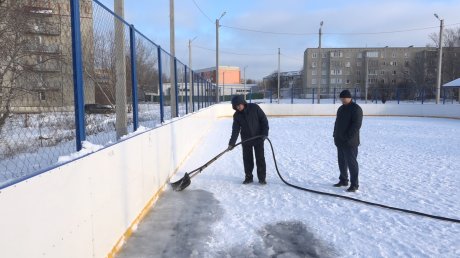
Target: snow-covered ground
411, 163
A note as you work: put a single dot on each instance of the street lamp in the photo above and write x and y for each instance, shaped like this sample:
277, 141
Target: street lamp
438, 81
217, 52
320, 64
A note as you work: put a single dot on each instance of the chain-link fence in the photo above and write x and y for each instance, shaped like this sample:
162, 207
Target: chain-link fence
127, 81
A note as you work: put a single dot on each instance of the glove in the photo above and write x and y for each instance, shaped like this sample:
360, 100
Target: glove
230, 147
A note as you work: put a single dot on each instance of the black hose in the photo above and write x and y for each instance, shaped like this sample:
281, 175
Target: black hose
350, 198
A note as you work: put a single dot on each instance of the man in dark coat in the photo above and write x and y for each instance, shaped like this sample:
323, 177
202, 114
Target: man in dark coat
346, 138
250, 120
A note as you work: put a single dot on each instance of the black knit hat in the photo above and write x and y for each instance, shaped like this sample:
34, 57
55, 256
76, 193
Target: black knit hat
345, 94
238, 99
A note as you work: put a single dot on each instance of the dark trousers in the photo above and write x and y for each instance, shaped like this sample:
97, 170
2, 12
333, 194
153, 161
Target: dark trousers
347, 157
248, 159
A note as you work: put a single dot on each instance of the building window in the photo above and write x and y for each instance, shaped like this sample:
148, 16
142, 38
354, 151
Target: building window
333, 80
393, 81
406, 63
313, 81
313, 64
323, 81
336, 54
359, 55
382, 72
372, 54
323, 64
406, 55
358, 72
324, 55
339, 80
314, 55
336, 72
347, 64
41, 95
348, 81
347, 55
359, 64
393, 54
358, 81
394, 72
393, 63
373, 72
382, 81
314, 72
323, 72
384, 63
406, 72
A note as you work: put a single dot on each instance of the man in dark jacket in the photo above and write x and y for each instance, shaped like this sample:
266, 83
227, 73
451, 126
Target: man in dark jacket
250, 121
346, 138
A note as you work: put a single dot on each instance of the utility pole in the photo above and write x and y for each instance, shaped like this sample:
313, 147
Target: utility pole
217, 54
320, 64
279, 64
172, 47
190, 73
244, 78
121, 126
438, 81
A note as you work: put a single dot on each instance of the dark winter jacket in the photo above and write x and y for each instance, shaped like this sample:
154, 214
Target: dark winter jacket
251, 122
347, 124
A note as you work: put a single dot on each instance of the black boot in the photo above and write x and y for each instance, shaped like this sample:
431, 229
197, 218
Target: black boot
352, 189
341, 183
262, 182
248, 180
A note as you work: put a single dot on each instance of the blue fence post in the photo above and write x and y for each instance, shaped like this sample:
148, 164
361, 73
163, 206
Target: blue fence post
443, 96
186, 90
292, 95
132, 41
423, 95
77, 74
250, 96
335, 92
356, 93
198, 92
160, 86
271, 97
313, 96
176, 88
192, 90
397, 94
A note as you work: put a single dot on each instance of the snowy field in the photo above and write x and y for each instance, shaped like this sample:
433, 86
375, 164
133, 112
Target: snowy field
411, 163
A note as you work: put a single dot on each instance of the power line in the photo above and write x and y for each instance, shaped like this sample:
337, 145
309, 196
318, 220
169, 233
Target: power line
197, 6
333, 33
233, 53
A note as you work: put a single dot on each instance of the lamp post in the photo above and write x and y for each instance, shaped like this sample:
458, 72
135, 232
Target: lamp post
438, 81
217, 52
320, 65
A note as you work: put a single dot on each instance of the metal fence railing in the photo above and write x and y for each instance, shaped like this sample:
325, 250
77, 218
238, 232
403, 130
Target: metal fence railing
375, 95
99, 85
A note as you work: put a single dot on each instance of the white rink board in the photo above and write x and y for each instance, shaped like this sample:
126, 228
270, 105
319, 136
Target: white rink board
82, 208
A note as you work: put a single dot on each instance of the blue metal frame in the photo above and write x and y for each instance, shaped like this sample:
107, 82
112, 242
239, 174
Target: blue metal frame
160, 86
176, 89
313, 96
192, 90
132, 40
186, 90
397, 94
292, 95
198, 91
335, 94
77, 64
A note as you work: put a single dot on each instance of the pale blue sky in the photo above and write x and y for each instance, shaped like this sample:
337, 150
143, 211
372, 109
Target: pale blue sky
293, 16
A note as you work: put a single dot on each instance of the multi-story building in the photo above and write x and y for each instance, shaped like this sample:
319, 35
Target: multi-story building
359, 68
227, 74
44, 46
